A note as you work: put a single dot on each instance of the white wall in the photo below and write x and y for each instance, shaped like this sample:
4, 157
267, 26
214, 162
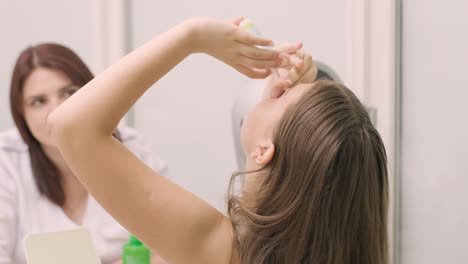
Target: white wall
434, 152
24, 23
187, 116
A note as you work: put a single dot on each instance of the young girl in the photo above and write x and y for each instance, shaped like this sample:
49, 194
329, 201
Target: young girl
316, 179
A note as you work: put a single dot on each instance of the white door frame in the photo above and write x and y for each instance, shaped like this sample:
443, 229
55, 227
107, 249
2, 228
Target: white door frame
372, 72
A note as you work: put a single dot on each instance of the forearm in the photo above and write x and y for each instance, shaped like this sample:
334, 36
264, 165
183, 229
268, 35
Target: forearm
97, 108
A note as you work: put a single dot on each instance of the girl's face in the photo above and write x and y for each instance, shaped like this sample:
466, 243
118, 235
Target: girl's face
44, 89
259, 124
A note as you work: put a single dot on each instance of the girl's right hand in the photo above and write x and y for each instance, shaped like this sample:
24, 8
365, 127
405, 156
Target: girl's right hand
234, 46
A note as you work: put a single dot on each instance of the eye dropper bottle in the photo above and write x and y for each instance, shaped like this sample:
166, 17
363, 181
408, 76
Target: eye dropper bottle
249, 26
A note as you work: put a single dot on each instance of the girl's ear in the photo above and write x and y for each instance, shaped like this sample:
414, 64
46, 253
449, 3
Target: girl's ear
263, 153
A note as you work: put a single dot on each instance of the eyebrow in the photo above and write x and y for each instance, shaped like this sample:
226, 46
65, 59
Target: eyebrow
61, 90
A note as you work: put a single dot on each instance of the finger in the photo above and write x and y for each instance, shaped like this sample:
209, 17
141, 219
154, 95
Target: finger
259, 53
252, 40
290, 47
237, 21
306, 57
310, 75
278, 88
306, 76
309, 71
259, 64
253, 73
293, 76
285, 60
296, 61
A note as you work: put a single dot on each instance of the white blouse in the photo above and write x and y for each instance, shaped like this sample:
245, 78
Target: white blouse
23, 210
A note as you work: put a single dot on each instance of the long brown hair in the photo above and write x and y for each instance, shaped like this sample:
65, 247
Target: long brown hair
325, 198
51, 56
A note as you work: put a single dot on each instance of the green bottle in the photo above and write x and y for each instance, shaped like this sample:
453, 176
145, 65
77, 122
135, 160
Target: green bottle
134, 252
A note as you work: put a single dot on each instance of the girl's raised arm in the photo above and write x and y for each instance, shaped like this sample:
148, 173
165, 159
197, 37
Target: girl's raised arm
179, 226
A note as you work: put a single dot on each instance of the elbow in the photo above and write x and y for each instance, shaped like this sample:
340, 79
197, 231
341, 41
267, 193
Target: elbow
63, 131
57, 128
70, 133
